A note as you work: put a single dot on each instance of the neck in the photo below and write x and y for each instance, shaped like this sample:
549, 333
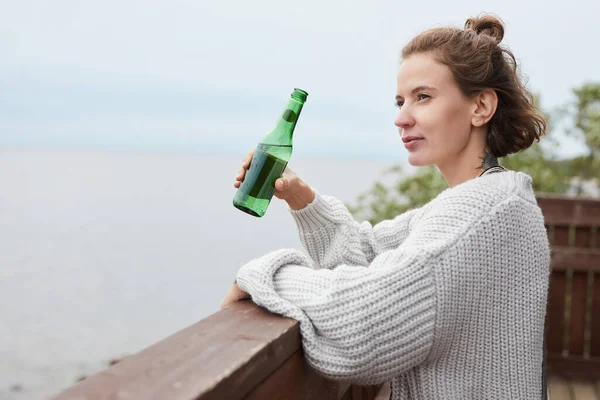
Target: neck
488, 161
469, 164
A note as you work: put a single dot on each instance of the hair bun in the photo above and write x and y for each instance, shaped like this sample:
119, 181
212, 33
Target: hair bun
487, 25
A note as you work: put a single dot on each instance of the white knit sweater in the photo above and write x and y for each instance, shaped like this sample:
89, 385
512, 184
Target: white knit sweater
447, 301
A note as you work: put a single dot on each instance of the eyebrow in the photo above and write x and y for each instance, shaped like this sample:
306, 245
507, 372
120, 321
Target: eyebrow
418, 89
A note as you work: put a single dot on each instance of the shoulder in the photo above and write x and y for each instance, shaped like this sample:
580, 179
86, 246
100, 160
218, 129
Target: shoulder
497, 206
490, 189
470, 201
515, 183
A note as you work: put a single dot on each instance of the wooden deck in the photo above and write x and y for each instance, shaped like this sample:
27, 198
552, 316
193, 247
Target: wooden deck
563, 389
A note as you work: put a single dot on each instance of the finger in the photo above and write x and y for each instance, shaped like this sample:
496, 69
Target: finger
240, 174
237, 184
248, 158
234, 294
227, 301
280, 185
228, 297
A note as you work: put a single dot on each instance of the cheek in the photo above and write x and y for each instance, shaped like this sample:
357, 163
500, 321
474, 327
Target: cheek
435, 122
450, 122
446, 130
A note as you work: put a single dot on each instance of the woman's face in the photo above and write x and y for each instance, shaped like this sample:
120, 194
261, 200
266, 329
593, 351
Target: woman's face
433, 110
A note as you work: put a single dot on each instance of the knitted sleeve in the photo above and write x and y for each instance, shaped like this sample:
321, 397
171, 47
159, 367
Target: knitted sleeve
331, 236
366, 325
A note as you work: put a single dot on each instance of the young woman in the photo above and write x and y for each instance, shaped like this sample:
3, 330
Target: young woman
446, 301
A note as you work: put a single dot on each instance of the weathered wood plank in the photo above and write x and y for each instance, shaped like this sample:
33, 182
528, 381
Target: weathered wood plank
563, 210
578, 313
384, 392
595, 329
583, 237
224, 356
558, 388
369, 392
574, 367
358, 392
583, 390
556, 311
564, 258
561, 236
295, 379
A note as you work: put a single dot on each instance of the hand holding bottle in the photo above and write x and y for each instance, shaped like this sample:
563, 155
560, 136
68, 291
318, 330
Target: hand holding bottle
288, 187
269, 161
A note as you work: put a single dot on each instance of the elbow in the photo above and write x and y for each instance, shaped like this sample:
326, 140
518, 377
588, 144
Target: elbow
361, 372
365, 361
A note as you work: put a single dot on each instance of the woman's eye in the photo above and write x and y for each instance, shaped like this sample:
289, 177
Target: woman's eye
420, 96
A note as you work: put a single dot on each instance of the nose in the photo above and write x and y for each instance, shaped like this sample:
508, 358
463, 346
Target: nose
404, 119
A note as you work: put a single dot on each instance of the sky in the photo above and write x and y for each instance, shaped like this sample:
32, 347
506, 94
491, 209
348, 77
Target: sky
214, 76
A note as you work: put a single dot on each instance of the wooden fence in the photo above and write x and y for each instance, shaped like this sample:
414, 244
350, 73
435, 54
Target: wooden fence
245, 352
573, 318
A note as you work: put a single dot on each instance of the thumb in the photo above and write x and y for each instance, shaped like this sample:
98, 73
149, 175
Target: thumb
281, 184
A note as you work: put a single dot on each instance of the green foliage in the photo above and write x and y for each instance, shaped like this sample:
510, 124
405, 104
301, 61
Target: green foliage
587, 122
380, 203
550, 174
587, 117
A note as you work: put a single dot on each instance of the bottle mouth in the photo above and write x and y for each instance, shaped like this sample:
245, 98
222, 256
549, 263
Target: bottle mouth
300, 94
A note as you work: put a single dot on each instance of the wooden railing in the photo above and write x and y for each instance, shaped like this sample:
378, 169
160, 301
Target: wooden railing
573, 318
245, 352
241, 352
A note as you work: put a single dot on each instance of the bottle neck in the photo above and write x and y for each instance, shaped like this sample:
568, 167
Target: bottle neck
284, 130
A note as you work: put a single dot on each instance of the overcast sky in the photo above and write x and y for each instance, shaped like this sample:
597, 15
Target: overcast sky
214, 76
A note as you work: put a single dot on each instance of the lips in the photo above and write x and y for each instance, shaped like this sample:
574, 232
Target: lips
411, 138
411, 142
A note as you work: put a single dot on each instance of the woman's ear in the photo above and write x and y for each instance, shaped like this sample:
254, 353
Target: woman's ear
486, 103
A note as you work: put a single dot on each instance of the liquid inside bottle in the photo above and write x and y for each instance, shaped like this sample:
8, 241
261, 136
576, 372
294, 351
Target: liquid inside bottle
256, 191
269, 161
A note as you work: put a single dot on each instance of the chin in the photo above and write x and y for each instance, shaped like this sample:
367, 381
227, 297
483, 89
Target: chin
417, 160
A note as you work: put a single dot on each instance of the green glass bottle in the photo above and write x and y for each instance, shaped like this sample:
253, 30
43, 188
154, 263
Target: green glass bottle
270, 159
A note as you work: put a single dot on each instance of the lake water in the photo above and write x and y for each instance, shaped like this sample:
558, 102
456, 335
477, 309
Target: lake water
105, 253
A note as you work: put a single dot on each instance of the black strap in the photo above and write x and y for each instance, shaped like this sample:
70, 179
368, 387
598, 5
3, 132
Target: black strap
492, 169
544, 371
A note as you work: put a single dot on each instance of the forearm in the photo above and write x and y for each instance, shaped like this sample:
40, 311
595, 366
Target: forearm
332, 237
349, 315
